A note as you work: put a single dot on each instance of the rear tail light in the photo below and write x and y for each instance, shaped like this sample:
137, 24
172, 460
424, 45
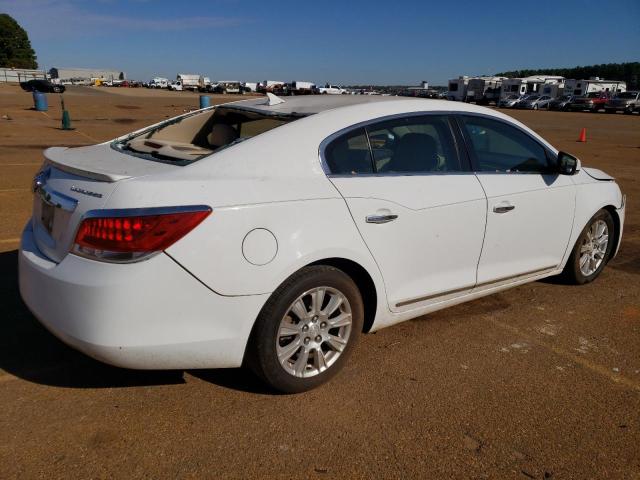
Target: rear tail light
135, 234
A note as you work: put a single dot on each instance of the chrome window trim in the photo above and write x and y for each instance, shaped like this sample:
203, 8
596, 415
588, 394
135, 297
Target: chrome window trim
364, 124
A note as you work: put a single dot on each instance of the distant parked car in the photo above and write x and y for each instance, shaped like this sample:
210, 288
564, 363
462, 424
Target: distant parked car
561, 103
176, 86
44, 86
510, 101
535, 102
332, 90
593, 102
627, 102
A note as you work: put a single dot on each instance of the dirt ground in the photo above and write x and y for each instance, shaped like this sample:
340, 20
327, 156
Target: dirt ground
542, 381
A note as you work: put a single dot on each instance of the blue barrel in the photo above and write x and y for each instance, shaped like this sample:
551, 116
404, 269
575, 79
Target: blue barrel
40, 102
205, 101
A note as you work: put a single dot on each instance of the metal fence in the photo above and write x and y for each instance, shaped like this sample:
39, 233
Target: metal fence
17, 75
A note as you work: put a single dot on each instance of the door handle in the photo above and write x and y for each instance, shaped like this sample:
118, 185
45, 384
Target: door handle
503, 208
380, 218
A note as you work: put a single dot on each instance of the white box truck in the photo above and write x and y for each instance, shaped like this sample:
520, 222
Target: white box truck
188, 81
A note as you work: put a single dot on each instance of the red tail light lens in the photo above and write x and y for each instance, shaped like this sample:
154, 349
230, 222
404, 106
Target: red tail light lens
123, 237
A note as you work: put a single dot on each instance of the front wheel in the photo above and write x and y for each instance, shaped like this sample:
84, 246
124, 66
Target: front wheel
306, 330
592, 250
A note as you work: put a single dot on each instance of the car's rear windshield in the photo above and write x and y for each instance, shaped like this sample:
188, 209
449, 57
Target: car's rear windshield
189, 138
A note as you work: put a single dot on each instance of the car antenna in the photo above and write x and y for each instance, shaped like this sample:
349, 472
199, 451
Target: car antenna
273, 100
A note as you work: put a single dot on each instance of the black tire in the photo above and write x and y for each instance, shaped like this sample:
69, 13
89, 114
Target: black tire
262, 351
572, 272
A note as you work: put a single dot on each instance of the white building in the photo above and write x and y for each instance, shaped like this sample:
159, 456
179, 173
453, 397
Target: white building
594, 84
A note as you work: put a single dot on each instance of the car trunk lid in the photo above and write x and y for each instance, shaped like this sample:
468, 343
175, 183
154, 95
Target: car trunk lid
74, 181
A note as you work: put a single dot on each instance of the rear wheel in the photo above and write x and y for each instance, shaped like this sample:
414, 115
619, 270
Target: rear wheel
306, 330
592, 250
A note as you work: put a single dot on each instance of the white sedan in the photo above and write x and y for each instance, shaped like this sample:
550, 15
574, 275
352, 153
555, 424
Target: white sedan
273, 233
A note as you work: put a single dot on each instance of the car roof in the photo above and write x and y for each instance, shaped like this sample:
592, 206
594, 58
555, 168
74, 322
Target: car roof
309, 104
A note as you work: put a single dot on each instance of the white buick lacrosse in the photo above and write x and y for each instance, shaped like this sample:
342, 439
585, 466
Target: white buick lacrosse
273, 233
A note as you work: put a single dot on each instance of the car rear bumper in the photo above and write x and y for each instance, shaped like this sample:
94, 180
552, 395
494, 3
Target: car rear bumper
147, 315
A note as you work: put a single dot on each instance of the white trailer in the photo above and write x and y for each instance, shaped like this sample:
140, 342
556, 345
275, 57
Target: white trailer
595, 84
484, 90
188, 81
303, 88
458, 88
250, 86
527, 85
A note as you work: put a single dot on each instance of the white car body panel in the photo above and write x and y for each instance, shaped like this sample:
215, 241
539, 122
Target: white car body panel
418, 258
122, 314
520, 240
194, 306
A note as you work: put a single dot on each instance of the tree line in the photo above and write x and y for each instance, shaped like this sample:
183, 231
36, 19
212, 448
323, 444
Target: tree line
628, 72
15, 48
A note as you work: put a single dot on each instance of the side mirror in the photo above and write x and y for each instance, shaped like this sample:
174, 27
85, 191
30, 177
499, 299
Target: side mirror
567, 164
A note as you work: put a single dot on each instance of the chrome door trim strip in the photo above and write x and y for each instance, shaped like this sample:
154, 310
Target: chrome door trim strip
520, 276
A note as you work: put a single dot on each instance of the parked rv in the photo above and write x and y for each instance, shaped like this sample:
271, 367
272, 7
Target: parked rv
250, 86
582, 88
203, 84
458, 89
484, 90
626, 102
303, 88
188, 81
550, 85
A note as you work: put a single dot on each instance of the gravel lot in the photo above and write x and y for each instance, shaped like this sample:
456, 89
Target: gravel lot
542, 381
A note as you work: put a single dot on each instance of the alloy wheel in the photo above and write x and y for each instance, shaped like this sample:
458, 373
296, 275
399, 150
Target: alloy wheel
314, 332
594, 248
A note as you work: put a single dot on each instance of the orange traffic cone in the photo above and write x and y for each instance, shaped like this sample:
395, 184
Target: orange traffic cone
583, 135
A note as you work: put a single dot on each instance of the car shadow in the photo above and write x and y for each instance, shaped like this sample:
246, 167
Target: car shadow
29, 352
241, 379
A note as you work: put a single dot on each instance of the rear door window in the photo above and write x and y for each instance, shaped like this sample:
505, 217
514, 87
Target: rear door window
419, 144
350, 154
408, 145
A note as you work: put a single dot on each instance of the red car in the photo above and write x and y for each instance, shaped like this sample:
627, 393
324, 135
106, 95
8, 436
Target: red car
593, 102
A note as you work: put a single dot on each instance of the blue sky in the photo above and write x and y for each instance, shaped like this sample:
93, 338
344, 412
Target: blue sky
349, 42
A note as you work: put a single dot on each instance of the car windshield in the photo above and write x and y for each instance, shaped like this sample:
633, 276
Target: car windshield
593, 95
533, 97
631, 95
186, 139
